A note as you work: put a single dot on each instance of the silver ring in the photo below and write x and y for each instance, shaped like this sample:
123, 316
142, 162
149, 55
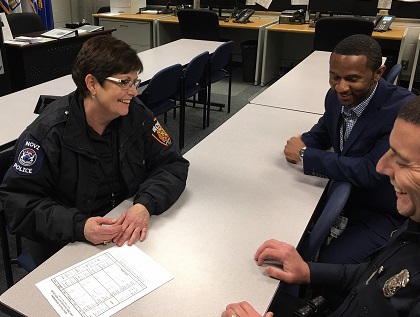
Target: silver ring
105, 242
235, 315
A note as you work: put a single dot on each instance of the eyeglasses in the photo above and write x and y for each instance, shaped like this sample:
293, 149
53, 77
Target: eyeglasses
125, 83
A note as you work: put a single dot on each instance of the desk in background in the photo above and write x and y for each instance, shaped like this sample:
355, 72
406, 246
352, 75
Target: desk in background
240, 192
138, 30
294, 42
168, 30
37, 63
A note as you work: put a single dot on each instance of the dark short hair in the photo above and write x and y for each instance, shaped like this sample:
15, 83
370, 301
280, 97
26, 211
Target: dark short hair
103, 56
361, 44
410, 111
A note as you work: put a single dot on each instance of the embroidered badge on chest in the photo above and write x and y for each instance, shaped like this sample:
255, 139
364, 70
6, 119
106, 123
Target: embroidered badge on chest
160, 134
393, 284
29, 158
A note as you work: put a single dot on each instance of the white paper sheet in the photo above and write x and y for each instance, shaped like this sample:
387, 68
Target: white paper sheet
299, 2
264, 3
105, 283
7, 33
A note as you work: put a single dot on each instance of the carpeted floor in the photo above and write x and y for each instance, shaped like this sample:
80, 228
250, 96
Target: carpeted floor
241, 93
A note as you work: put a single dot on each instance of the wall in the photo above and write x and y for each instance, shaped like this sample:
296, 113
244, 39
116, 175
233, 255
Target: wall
75, 10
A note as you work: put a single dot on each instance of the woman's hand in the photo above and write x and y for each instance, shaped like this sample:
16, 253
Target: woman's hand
134, 222
101, 230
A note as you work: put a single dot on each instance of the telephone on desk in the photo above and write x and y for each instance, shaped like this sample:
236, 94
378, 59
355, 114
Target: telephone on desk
244, 15
383, 22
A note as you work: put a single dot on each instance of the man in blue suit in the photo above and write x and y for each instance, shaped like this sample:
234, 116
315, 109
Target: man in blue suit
360, 110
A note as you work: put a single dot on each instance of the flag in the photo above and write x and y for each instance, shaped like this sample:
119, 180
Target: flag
44, 9
41, 7
11, 6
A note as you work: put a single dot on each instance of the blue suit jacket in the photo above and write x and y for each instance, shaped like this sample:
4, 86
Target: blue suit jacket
373, 199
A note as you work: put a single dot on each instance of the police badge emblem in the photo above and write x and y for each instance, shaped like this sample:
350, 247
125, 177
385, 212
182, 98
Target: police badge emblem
393, 284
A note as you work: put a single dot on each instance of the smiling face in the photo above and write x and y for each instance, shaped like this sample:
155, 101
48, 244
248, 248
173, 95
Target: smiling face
402, 164
110, 100
114, 99
352, 79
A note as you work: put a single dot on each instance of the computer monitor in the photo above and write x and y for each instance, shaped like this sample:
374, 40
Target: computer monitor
221, 4
332, 6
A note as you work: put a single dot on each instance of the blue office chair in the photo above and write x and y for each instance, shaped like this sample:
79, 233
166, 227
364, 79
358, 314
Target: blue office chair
329, 207
159, 95
394, 73
23, 257
190, 87
220, 67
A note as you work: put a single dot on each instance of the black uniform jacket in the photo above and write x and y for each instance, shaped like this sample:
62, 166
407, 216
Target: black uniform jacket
48, 192
365, 282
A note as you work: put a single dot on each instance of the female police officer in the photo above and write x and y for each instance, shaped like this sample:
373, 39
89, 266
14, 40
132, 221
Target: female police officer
87, 152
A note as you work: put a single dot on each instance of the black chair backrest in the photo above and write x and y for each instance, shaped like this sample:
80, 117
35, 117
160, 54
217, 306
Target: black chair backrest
195, 69
220, 57
26, 22
104, 9
393, 73
330, 31
199, 24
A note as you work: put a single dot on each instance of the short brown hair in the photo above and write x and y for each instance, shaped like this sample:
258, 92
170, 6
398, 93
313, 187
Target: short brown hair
410, 111
103, 56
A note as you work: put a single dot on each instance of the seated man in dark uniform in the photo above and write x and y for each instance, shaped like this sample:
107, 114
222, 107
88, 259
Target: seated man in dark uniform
388, 284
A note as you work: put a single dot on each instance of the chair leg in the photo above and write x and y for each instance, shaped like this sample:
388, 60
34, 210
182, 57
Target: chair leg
208, 105
230, 82
165, 117
182, 115
6, 251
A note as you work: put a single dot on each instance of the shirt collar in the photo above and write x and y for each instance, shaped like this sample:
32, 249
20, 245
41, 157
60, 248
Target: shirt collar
360, 107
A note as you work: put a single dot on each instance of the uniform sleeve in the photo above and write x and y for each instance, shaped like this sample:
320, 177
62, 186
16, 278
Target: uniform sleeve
166, 171
28, 198
341, 276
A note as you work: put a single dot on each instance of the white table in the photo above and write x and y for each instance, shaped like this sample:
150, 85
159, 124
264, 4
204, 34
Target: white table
181, 51
303, 88
240, 192
17, 109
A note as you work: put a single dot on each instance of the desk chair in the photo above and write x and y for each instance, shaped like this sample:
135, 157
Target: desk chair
159, 95
393, 73
329, 31
23, 258
198, 24
220, 67
190, 87
26, 22
329, 207
104, 9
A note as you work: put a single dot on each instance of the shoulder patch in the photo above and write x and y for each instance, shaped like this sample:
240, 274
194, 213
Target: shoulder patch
29, 158
160, 135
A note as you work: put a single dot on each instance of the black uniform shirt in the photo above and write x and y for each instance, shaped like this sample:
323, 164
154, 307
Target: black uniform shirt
112, 188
